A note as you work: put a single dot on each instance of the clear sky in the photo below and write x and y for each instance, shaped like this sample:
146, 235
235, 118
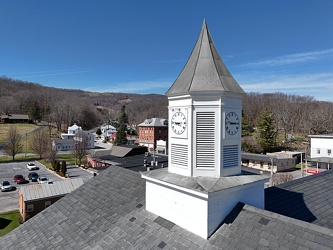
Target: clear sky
135, 46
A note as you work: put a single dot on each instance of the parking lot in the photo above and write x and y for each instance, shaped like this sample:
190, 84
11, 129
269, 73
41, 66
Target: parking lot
9, 199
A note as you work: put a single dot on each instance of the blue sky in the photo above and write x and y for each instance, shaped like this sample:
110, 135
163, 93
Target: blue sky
141, 46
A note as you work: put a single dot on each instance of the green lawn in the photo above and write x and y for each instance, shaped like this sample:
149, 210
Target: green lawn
9, 221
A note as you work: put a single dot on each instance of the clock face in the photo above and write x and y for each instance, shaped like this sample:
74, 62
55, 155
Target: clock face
232, 123
178, 123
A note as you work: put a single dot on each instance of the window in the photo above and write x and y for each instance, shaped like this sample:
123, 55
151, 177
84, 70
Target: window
47, 204
30, 207
318, 151
329, 151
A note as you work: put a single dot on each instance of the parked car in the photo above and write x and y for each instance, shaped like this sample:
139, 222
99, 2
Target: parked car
33, 176
32, 166
19, 179
6, 186
44, 180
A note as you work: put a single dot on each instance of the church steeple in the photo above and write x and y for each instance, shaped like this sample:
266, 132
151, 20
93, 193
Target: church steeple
204, 70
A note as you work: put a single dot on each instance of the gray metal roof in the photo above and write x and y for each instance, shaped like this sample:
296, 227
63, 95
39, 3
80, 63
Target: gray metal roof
205, 185
204, 71
108, 212
154, 122
261, 157
59, 188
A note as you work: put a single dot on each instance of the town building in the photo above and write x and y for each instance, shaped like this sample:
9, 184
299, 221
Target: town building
71, 132
14, 118
73, 135
299, 156
321, 154
35, 198
152, 130
107, 132
263, 162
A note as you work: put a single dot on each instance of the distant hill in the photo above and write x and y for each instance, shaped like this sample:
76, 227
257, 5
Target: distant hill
293, 116
18, 96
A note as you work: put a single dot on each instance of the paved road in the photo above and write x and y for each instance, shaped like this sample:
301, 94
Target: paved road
9, 200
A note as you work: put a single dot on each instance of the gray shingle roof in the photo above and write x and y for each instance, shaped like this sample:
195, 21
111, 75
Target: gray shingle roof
108, 212
308, 199
204, 70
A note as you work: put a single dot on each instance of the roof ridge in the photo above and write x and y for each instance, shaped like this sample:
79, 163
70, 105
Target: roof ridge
286, 219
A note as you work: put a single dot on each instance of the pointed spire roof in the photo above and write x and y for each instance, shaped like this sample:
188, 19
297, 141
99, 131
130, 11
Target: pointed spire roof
204, 70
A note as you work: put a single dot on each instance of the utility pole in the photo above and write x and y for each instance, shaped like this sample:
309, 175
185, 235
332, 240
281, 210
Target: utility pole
271, 180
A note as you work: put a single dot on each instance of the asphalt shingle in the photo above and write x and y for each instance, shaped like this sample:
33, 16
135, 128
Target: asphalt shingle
108, 212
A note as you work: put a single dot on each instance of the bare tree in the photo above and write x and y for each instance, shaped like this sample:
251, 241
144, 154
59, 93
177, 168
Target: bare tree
80, 147
13, 144
51, 155
281, 178
40, 142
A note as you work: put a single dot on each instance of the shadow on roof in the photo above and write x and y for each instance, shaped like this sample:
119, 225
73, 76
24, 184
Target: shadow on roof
288, 203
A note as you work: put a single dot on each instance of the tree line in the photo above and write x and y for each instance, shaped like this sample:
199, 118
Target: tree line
287, 116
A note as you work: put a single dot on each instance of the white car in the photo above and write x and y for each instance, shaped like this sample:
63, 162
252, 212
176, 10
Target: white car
6, 186
32, 166
44, 180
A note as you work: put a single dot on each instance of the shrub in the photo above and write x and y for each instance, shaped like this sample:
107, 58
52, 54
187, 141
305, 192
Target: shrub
63, 167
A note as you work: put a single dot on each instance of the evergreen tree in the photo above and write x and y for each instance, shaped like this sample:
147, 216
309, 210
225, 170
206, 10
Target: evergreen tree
122, 129
98, 132
35, 112
266, 131
63, 167
246, 127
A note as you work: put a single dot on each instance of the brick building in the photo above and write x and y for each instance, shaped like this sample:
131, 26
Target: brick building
152, 130
35, 198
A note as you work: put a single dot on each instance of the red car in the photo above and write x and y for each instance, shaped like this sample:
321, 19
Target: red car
19, 179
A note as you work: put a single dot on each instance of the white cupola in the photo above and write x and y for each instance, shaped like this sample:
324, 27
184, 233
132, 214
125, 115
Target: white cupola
205, 110
204, 180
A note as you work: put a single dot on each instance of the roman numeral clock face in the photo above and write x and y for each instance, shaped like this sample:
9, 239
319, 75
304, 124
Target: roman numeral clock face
178, 123
232, 123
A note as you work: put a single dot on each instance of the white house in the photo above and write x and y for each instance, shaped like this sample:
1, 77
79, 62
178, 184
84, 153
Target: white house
75, 133
321, 155
71, 131
107, 131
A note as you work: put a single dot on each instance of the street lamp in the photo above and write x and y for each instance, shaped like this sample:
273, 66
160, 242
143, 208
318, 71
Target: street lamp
26, 134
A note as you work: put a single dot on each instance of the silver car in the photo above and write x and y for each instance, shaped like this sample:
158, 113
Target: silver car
6, 186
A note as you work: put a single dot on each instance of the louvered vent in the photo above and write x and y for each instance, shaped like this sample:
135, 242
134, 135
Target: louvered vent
205, 139
230, 156
179, 155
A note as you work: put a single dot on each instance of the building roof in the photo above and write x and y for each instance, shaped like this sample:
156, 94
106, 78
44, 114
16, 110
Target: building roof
204, 185
308, 199
41, 191
15, 117
320, 159
321, 136
154, 122
262, 157
63, 141
74, 127
108, 212
204, 70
